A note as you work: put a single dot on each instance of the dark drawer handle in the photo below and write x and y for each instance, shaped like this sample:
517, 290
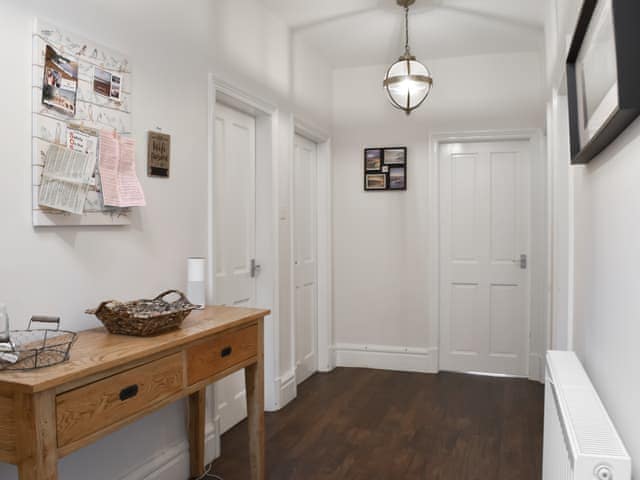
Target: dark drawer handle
226, 352
129, 392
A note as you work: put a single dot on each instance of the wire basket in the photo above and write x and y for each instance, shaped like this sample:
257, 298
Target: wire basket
39, 347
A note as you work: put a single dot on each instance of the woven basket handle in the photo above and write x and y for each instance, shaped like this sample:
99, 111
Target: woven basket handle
169, 292
96, 311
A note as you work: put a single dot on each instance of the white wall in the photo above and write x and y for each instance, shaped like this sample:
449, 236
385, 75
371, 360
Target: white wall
607, 279
63, 271
381, 241
602, 200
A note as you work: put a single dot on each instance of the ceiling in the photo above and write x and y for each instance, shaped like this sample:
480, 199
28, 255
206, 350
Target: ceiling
370, 32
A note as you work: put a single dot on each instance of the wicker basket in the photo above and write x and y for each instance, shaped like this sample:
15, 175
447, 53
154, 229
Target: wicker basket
144, 318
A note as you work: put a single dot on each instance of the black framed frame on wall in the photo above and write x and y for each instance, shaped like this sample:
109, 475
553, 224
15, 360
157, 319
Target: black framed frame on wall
603, 75
385, 168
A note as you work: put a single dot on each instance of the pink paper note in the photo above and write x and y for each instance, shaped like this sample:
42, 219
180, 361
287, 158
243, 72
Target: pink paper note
120, 184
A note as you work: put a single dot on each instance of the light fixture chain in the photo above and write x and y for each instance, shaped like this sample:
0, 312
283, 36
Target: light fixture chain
406, 29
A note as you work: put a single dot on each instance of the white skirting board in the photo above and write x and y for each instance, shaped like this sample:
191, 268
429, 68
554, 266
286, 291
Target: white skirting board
386, 357
173, 462
287, 390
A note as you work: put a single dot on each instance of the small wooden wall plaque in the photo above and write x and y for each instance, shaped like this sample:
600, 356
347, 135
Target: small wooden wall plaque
158, 154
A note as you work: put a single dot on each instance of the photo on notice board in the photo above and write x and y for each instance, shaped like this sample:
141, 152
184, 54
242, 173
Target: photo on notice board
106, 84
60, 82
373, 159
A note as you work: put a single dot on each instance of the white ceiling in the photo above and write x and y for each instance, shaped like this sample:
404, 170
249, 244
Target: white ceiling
370, 32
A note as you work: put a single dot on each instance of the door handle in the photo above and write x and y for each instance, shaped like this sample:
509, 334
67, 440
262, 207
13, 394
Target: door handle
523, 261
255, 268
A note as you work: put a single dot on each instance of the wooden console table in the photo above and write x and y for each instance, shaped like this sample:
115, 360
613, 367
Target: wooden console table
112, 380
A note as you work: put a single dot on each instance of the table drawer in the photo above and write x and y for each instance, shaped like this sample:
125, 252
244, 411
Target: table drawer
96, 406
221, 352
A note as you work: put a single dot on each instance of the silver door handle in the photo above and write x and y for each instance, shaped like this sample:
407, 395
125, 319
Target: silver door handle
523, 261
255, 268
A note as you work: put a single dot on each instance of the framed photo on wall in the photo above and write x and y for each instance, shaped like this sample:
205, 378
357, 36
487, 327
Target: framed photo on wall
376, 181
385, 168
603, 75
373, 159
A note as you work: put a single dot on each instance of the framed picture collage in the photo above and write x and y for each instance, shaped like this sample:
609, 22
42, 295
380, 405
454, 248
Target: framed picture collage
385, 169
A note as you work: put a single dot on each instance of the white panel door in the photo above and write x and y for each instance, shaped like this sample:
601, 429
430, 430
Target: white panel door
484, 289
305, 284
235, 242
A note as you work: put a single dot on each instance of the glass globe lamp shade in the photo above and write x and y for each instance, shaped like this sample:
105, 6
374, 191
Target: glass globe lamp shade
408, 83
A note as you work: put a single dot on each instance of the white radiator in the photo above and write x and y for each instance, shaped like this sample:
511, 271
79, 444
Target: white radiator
580, 442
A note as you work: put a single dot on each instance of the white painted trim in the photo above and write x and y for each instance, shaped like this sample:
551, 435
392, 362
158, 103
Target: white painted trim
572, 256
386, 357
535, 137
325, 256
561, 213
239, 99
266, 118
550, 140
173, 462
287, 389
324, 232
292, 273
267, 243
536, 367
309, 131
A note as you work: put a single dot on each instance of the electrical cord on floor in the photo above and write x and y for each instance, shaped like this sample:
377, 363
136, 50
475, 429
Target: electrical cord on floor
208, 474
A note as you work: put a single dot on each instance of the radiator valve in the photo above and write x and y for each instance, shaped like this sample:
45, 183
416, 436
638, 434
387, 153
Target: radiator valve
603, 472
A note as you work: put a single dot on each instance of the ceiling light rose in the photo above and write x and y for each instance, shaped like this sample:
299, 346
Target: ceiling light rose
407, 82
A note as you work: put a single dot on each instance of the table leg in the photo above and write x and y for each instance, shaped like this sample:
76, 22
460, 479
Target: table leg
36, 441
197, 403
254, 380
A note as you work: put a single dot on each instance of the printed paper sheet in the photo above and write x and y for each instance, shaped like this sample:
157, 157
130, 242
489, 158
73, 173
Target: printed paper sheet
120, 184
65, 179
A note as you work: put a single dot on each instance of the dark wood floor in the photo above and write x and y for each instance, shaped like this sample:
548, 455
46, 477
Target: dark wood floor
360, 424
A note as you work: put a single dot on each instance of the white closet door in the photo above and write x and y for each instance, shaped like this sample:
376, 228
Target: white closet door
484, 289
235, 241
305, 268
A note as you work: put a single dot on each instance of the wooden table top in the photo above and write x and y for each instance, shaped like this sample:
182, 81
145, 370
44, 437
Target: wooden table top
97, 351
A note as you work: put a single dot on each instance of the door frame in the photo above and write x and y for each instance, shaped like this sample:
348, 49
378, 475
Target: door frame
266, 115
324, 261
534, 359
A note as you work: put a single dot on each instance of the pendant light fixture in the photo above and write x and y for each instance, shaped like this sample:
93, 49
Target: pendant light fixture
408, 82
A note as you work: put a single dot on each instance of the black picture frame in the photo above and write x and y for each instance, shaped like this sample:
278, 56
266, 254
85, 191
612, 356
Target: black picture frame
385, 169
626, 16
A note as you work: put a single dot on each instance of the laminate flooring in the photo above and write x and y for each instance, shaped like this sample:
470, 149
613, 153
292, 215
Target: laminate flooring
359, 424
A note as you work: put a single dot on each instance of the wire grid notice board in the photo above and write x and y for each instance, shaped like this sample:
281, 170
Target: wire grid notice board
92, 110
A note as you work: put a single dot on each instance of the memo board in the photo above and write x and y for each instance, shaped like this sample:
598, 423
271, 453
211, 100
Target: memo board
92, 110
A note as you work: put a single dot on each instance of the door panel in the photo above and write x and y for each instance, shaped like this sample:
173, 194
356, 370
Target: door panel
464, 305
504, 201
484, 216
305, 284
234, 234
504, 307
464, 200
